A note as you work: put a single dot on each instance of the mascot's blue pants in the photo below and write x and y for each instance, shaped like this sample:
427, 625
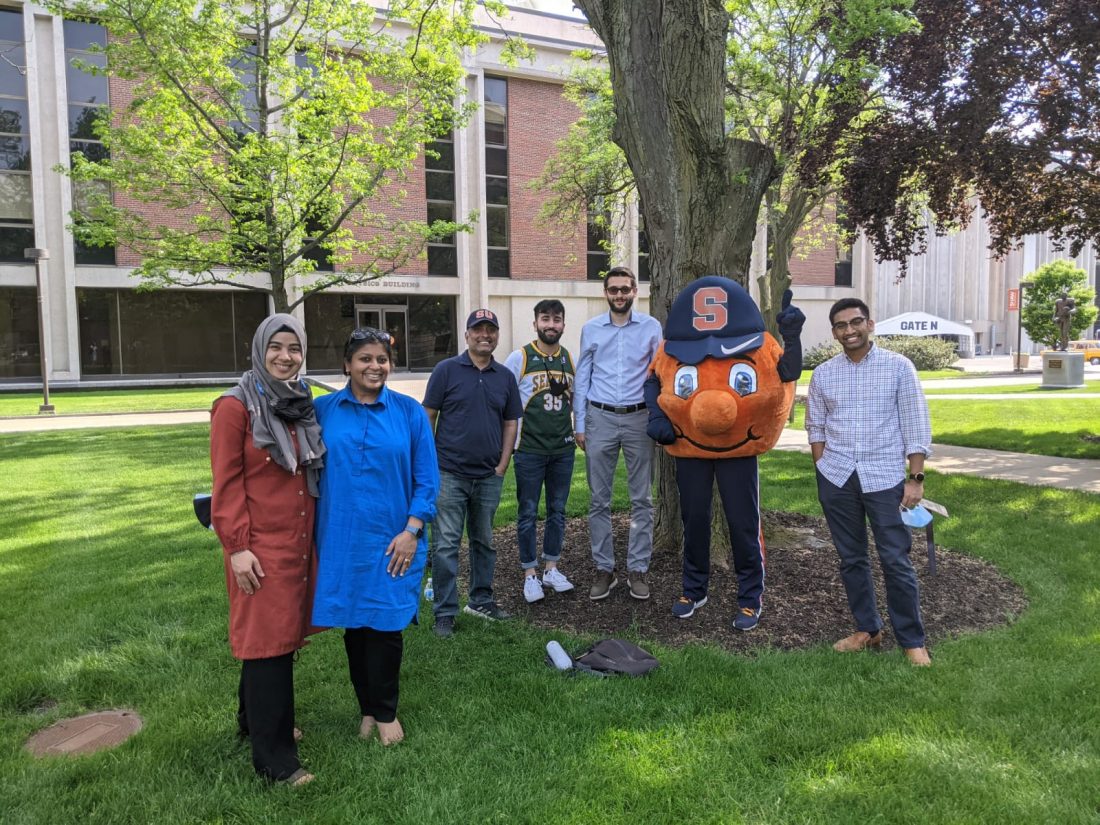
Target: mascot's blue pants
739, 489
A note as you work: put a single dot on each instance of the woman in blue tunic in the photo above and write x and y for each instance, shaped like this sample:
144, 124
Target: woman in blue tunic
378, 492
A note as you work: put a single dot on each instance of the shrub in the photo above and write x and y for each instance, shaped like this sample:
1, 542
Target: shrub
817, 355
925, 353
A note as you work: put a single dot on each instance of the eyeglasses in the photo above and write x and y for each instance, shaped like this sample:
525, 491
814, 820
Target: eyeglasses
370, 336
618, 290
855, 323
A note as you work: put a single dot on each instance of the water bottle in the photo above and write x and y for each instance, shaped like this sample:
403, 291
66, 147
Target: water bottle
558, 656
429, 591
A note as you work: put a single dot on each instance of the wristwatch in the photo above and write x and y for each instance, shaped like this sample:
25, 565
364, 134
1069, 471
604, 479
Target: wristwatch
416, 531
917, 477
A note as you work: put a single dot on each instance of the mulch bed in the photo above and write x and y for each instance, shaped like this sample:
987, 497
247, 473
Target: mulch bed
804, 604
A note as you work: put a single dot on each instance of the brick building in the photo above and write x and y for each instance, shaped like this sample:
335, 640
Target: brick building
100, 328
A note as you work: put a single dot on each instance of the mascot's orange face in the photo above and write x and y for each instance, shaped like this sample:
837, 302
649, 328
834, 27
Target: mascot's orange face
725, 408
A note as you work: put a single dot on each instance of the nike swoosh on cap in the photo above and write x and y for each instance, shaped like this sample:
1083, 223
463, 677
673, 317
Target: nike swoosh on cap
743, 345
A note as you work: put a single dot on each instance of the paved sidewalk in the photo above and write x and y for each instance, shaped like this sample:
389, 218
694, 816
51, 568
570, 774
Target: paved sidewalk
1040, 470
1082, 474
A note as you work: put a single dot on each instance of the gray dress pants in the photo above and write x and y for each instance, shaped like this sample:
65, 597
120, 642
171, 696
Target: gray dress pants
606, 433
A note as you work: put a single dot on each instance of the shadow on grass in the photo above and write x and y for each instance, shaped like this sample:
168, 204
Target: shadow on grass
119, 600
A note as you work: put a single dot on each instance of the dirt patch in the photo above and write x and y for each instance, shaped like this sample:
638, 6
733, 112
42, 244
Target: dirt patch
804, 604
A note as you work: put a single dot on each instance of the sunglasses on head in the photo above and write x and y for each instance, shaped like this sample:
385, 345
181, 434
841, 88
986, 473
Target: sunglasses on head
370, 335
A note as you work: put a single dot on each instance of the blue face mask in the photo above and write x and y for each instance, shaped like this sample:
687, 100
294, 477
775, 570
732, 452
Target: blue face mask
916, 516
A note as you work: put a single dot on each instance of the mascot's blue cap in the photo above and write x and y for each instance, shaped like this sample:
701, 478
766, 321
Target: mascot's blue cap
715, 317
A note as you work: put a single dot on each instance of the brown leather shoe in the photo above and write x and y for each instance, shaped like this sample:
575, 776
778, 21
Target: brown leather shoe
918, 656
860, 640
638, 587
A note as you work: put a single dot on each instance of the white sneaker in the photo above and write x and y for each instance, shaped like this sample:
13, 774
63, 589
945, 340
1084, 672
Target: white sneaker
556, 579
532, 589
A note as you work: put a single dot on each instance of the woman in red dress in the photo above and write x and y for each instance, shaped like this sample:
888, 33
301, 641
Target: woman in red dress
266, 453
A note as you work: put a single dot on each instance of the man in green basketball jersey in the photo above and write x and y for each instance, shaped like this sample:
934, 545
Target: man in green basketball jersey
545, 448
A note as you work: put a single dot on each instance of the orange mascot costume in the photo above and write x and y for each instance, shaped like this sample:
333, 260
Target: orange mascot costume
718, 394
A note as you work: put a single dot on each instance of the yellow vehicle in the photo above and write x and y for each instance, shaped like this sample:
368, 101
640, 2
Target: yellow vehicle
1090, 348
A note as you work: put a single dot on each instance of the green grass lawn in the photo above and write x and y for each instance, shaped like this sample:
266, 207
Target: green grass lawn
111, 595
924, 375
1064, 427
112, 401
116, 401
1023, 389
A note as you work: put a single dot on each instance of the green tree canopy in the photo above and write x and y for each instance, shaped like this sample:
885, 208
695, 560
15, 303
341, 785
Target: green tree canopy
262, 137
1044, 287
800, 75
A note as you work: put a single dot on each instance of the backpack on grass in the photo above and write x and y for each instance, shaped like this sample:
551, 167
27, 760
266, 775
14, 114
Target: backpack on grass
610, 656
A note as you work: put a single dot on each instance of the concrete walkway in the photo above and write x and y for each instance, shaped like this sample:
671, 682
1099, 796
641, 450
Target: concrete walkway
1040, 470
1066, 473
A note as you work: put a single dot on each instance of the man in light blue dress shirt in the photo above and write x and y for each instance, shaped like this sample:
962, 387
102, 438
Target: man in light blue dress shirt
866, 416
610, 416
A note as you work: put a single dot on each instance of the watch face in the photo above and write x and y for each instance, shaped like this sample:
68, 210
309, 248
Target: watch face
917, 476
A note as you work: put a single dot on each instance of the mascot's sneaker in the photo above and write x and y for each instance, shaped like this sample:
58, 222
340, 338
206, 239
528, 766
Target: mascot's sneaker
746, 619
555, 579
532, 589
684, 607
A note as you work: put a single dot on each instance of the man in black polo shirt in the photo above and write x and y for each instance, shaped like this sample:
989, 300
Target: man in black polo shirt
473, 403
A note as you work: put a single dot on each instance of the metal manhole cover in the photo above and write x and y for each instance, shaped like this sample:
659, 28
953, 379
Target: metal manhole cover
85, 734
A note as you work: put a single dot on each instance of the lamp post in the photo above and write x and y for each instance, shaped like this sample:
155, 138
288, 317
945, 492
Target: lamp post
38, 256
1019, 365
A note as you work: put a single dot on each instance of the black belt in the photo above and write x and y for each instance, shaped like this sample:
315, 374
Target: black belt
629, 408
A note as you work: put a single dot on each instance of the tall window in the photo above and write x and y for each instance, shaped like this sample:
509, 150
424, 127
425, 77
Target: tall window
496, 176
599, 261
439, 181
16, 206
88, 102
842, 270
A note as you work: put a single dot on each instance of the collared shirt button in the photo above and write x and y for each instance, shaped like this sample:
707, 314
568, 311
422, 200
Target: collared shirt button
302, 513
300, 493
268, 458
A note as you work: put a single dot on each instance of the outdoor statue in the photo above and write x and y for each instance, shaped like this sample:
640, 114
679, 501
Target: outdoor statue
1064, 310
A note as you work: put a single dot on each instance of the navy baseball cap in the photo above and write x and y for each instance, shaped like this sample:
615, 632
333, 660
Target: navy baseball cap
713, 316
482, 316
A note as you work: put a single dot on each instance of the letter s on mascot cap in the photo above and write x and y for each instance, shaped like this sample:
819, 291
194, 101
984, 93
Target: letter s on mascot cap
724, 386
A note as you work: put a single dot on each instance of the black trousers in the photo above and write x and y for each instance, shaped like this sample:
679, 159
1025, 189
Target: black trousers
739, 490
374, 663
265, 714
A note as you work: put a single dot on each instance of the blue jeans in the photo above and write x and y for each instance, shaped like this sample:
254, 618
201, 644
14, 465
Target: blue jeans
468, 503
847, 510
532, 471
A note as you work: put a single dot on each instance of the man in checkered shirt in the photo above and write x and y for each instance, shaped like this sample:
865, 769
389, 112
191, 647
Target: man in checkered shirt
866, 416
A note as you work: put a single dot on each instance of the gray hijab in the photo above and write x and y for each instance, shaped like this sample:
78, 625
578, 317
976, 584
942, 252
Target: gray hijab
273, 405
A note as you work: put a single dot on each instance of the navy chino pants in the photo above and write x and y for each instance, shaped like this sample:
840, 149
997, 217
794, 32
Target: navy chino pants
738, 487
847, 510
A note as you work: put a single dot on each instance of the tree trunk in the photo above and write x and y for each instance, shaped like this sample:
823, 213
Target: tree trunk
699, 190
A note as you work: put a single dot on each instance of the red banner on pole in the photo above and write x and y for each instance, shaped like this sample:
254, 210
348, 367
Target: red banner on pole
1014, 300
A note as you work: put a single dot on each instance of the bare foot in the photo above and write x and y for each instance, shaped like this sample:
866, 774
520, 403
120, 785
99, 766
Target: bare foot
366, 728
390, 732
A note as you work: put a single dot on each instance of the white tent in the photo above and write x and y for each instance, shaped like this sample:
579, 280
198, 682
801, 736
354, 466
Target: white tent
923, 324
